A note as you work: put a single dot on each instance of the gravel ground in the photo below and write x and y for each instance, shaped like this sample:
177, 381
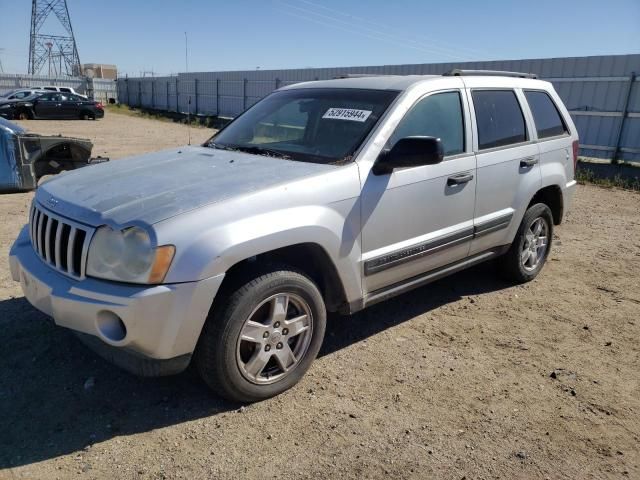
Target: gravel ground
469, 377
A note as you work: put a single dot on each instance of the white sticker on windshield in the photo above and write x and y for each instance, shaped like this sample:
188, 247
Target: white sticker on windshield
347, 114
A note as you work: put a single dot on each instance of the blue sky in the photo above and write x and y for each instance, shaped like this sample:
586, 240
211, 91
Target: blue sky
245, 34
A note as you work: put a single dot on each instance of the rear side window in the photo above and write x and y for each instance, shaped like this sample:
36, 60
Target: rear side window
499, 118
438, 115
545, 114
65, 90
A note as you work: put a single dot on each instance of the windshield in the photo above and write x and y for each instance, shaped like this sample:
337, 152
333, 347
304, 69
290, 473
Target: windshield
318, 125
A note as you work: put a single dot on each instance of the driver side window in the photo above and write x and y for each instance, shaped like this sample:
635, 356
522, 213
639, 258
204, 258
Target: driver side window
438, 115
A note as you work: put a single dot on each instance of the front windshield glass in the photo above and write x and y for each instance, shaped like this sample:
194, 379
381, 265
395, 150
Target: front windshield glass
318, 125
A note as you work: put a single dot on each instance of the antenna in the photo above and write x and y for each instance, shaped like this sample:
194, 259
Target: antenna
186, 66
43, 47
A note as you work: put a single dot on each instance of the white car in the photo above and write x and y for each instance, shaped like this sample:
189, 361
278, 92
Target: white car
19, 93
53, 88
324, 196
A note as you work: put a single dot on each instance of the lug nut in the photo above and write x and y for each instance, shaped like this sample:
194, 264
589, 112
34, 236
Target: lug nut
279, 345
285, 331
276, 325
265, 335
267, 348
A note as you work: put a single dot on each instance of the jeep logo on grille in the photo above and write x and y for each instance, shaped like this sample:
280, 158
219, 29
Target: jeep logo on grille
52, 202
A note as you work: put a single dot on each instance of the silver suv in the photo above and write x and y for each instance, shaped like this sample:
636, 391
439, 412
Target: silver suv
324, 196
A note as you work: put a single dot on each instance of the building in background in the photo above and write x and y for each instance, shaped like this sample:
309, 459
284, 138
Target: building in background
100, 70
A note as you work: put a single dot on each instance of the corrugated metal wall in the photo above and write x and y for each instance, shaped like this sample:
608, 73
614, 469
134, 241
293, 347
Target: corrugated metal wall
593, 88
97, 88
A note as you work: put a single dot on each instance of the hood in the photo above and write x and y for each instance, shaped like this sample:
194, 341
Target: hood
153, 187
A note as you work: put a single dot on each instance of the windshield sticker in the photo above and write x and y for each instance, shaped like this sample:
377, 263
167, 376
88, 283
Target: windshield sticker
347, 114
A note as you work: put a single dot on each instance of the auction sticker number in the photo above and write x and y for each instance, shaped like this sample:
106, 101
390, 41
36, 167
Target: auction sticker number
347, 114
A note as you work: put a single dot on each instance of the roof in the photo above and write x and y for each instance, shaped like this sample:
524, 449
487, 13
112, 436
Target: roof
403, 82
377, 82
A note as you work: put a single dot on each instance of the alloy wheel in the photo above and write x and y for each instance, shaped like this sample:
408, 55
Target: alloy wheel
535, 244
274, 338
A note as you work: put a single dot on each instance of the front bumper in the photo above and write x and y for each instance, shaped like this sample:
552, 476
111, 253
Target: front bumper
159, 322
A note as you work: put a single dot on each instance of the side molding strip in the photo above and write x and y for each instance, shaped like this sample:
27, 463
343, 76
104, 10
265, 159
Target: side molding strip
414, 252
493, 225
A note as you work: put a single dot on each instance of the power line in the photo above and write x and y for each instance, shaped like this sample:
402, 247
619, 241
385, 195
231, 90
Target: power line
434, 43
367, 33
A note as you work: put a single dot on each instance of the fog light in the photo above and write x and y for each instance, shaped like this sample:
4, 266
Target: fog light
111, 326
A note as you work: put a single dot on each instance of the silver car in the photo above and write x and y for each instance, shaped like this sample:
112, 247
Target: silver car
324, 196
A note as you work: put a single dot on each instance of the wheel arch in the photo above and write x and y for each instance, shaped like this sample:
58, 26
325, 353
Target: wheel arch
551, 195
310, 259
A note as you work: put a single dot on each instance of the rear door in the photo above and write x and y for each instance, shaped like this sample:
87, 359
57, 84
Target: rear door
71, 105
508, 162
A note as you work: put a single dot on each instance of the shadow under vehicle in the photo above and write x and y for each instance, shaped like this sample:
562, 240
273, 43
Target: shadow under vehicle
27, 157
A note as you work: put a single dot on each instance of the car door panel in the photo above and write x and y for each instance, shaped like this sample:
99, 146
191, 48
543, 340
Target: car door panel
504, 186
413, 221
508, 176
418, 219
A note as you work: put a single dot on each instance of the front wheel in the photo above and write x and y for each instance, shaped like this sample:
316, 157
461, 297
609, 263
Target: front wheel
24, 115
264, 337
531, 246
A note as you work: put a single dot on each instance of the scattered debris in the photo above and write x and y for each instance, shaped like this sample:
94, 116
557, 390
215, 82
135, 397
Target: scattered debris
89, 383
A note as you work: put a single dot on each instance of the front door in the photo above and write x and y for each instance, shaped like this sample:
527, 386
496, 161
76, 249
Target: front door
418, 219
48, 105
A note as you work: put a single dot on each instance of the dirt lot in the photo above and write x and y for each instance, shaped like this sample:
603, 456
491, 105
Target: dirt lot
450, 381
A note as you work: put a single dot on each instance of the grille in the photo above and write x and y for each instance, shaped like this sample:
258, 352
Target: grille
59, 242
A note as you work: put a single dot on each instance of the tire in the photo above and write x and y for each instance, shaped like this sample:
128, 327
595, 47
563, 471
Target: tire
87, 116
231, 350
519, 266
23, 115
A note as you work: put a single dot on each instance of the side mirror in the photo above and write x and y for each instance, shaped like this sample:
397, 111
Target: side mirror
409, 152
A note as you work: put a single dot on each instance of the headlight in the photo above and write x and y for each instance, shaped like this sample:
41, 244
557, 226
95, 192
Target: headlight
5, 106
127, 256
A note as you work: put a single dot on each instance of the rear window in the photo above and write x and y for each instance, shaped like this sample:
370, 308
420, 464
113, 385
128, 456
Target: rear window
545, 114
499, 118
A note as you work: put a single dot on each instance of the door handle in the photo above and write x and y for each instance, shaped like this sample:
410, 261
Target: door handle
528, 162
459, 179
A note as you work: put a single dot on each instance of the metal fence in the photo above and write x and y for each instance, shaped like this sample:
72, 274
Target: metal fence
98, 89
601, 92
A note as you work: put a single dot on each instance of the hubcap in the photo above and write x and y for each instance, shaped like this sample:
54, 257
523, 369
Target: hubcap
535, 244
274, 338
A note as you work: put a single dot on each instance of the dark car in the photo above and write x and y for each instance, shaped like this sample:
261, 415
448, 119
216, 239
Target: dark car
27, 157
51, 105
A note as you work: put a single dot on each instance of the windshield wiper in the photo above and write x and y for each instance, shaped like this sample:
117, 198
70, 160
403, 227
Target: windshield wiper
262, 151
219, 146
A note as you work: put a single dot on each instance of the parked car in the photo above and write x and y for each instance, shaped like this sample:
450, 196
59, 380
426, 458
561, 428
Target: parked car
26, 157
51, 105
19, 93
53, 88
324, 196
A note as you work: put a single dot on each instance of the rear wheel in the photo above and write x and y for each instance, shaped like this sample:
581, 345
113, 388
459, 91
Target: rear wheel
87, 116
531, 246
264, 337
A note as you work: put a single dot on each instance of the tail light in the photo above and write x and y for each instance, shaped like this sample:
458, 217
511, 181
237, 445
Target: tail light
99, 105
576, 148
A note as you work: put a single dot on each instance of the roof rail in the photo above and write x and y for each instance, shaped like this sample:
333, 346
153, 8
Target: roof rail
362, 75
457, 72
